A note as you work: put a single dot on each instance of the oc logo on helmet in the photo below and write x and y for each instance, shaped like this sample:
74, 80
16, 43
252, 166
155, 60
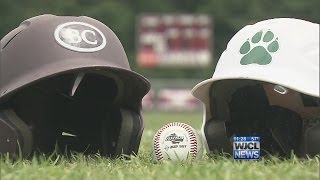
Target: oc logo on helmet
80, 36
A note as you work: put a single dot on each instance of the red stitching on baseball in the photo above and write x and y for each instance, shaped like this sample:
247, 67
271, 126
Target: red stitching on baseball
157, 145
193, 141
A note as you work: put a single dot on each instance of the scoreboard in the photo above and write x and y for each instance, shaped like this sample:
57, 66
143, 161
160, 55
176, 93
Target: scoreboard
174, 40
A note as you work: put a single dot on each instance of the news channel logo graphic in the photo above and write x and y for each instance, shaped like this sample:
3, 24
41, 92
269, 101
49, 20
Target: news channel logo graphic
246, 148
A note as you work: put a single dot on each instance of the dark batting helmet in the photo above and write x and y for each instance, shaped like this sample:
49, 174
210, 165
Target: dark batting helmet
66, 80
266, 84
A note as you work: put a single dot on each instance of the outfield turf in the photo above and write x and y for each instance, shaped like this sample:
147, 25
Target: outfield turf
142, 167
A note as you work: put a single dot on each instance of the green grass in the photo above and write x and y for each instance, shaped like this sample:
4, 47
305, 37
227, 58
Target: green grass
78, 166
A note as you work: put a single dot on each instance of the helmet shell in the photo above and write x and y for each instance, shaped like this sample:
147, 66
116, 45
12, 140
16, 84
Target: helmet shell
31, 52
282, 51
65, 73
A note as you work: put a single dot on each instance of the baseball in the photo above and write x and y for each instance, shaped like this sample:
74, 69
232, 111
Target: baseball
177, 142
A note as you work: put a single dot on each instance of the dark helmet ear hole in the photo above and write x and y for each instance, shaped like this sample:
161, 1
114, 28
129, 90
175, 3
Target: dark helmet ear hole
96, 90
248, 107
81, 132
286, 129
89, 130
110, 132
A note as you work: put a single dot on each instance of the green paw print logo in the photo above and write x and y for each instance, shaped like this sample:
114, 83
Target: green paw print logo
259, 50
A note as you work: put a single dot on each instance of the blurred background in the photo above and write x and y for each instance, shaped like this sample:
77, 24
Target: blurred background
174, 43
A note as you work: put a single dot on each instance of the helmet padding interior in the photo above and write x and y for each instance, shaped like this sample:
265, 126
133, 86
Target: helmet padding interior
74, 123
245, 108
251, 115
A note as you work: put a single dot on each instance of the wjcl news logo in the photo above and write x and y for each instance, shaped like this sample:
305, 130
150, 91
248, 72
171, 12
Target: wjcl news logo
246, 148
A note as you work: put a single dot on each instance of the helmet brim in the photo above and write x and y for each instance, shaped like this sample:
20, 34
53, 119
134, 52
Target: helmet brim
140, 83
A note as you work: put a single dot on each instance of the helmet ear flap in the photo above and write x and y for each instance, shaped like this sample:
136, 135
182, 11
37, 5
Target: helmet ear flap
216, 136
124, 136
311, 140
18, 136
